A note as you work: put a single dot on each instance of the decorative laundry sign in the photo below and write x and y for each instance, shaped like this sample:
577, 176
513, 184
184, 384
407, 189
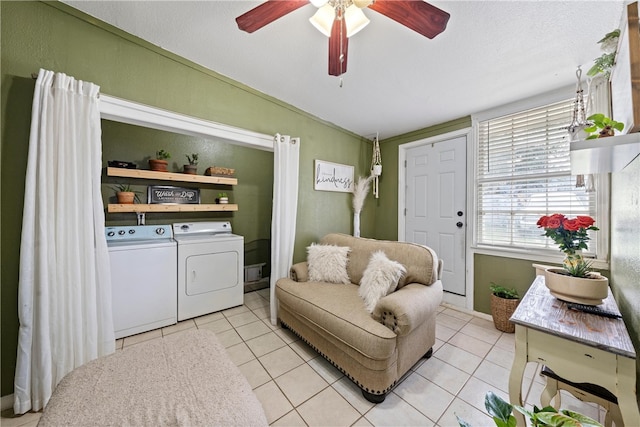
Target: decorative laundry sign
169, 195
333, 177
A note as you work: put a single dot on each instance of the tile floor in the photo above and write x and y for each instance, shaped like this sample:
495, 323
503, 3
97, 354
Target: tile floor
299, 388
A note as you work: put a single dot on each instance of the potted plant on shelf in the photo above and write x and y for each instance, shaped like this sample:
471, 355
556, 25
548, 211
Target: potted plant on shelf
160, 163
504, 302
192, 167
223, 198
575, 282
602, 126
125, 194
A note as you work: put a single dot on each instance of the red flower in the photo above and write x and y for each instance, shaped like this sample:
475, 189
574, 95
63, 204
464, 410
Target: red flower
585, 221
571, 225
542, 222
554, 222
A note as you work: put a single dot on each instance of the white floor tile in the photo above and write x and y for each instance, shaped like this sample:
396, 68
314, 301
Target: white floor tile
424, 395
352, 394
459, 358
273, 401
444, 375
280, 361
328, 408
470, 344
300, 384
466, 412
396, 412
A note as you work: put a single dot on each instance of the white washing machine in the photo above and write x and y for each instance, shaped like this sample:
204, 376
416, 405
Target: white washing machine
143, 277
210, 268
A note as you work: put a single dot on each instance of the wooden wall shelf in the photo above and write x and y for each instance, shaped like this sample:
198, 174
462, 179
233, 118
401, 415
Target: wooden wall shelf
144, 208
170, 176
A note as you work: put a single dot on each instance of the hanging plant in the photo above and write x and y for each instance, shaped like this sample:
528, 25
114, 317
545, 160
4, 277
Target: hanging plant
604, 64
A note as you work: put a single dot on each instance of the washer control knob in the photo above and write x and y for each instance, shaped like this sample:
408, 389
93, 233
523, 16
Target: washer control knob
184, 227
160, 231
111, 233
121, 232
132, 231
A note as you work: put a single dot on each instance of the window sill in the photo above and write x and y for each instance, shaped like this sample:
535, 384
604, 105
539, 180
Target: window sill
533, 256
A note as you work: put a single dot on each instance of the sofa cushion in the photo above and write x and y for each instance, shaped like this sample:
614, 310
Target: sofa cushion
420, 261
379, 279
328, 263
338, 310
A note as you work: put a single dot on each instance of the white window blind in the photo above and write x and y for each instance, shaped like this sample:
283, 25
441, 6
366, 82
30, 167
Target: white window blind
524, 172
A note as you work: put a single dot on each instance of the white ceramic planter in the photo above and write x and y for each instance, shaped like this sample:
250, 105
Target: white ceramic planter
589, 291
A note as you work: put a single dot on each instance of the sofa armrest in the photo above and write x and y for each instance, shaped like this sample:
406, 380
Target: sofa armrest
299, 272
405, 309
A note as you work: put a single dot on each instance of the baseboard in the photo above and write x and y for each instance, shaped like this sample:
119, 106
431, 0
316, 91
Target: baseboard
6, 402
465, 310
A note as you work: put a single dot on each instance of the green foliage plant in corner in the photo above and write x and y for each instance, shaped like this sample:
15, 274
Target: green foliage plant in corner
501, 412
502, 292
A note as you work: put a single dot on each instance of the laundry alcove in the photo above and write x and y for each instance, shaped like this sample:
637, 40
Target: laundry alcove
134, 132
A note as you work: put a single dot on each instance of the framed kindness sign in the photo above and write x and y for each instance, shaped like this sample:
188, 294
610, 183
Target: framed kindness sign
333, 177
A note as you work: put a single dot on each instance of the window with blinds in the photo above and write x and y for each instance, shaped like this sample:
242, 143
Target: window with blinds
524, 172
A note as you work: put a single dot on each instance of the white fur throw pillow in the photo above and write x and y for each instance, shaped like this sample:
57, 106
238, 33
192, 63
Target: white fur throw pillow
379, 279
328, 263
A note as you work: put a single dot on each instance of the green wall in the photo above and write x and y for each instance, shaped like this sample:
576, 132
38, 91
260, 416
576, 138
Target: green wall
54, 36
625, 249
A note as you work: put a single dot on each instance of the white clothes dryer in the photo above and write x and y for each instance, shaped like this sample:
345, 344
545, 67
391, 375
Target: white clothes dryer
210, 268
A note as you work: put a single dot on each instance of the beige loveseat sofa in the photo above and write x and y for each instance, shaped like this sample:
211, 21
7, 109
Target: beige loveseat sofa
374, 350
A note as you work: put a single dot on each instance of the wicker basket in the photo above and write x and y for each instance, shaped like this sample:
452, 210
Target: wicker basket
501, 311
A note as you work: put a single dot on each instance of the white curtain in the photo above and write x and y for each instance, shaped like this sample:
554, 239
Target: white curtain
285, 206
64, 297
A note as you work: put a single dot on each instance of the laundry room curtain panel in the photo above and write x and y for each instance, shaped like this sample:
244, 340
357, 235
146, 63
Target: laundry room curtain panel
286, 154
64, 292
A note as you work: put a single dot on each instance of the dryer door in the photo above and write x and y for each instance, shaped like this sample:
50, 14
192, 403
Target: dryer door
211, 272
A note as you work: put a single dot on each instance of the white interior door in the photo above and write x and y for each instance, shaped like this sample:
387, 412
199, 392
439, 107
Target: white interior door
435, 202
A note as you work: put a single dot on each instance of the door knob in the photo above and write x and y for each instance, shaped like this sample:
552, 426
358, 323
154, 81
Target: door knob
459, 224
460, 213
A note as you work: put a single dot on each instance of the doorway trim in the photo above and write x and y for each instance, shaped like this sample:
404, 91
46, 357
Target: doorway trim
134, 113
457, 300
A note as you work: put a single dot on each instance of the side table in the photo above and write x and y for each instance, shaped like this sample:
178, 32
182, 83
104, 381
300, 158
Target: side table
581, 347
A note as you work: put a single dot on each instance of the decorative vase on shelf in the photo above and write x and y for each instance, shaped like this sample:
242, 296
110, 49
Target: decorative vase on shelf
590, 290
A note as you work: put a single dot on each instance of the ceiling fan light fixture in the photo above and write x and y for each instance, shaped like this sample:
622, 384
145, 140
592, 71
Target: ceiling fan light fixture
323, 19
361, 4
355, 19
318, 3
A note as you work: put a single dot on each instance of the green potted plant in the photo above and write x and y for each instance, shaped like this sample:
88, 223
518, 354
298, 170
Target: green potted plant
501, 412
160, 163
223, 198
192, 167
125, 194
602, 126
504, 302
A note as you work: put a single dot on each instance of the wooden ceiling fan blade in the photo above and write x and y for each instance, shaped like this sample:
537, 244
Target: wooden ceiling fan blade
338, 47
417, 15
266, 13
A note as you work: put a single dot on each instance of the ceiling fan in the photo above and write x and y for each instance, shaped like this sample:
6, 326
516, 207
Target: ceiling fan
340, 19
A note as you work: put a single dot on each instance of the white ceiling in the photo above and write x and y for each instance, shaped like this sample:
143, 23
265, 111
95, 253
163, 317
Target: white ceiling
397, 81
